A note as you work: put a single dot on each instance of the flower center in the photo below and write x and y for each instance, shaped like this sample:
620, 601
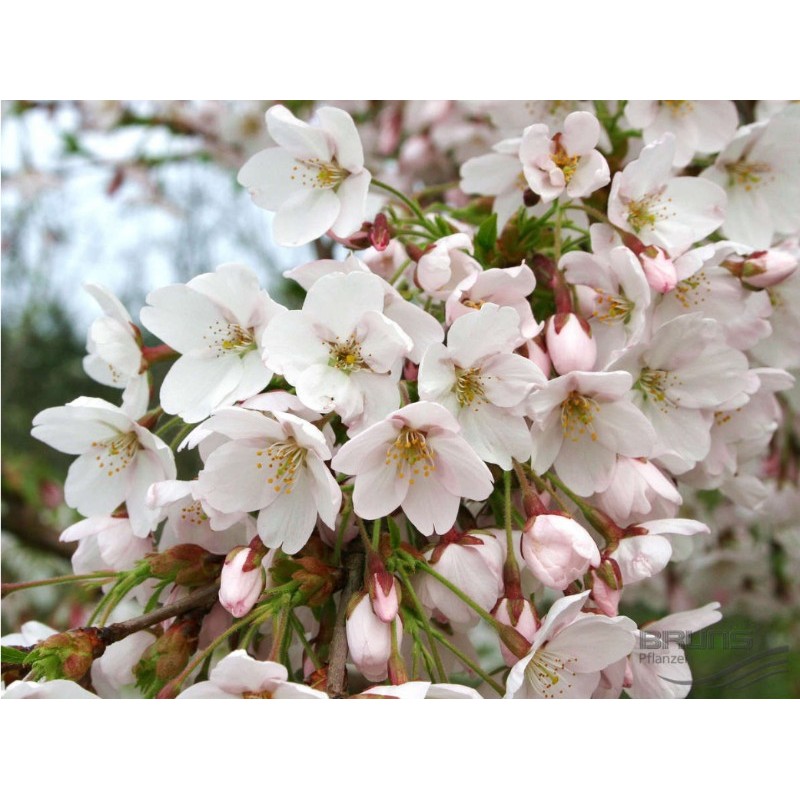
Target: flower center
545, 671
611, 308
411, 455
476, 304
679, 108
282, 462
577, 416
743, 173
117, 453
264, 695
655, 385
346, 356
692, 291
646, 211
469, 387
225, 338
563, 160
313, 173
193, 514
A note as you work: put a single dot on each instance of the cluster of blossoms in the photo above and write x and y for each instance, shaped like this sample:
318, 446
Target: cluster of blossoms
480, 426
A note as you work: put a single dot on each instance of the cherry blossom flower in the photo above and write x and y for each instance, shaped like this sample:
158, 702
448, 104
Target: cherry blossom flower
566, 162
583, 421
115, 356
340, 351
242, 580
672, 213
118, 459
240, 676
760, 172
684, 374
699, 126
658, 664
315, 179
273, 466
474, 563
442, 268
498, 174
423, 690
558, 550
483, 383
421, 327
510, 286
641, 557
47, 690
215, 321
569, 343
415, 459
569, 651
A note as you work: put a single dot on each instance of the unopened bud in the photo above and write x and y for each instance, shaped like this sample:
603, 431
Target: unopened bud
167, 657
66, 655
383, 590
570, 344
607, 587
185, 565
767, 268
380, 234
658, 269
242, 581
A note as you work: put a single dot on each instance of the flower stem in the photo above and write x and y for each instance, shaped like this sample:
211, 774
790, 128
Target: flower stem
99, 577
468, 662
423, 621
410, 204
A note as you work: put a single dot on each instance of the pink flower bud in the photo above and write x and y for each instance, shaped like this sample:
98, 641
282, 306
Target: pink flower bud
521, 616
241, 582
558, 550
384, 597
767, 268
658, 269
369, 640
569, 343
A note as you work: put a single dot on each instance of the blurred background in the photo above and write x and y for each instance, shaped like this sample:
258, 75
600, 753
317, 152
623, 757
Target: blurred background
135, 195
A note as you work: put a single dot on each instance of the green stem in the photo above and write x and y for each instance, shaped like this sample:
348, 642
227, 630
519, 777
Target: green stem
410, 204
100, 577
376, 533
482, 613
423, 621
468, 662
301, 635
511, 559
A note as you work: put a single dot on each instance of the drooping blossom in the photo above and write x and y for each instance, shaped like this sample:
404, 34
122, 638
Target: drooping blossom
215, 322
415, 459
118, 459
483, 383
314, 180
340, 351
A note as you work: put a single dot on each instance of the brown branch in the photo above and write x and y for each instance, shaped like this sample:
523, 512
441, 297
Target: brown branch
337, 672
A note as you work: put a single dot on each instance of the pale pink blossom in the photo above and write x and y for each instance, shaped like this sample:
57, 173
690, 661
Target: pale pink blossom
215, 322
415, 459
442, 268
569, 651
672, 213
242, 580
314, 180
566, 162
369, 640
240, 676
483, 383
118, 459
570, 344
558, 550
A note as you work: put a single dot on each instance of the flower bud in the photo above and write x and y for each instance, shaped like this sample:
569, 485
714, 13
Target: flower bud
185, 565
369, 640
767, 268
520, 615
167, 657
569, 343
557, 550
242, 581
534, 351
66, 655
382, 587
380, 235
658, 269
